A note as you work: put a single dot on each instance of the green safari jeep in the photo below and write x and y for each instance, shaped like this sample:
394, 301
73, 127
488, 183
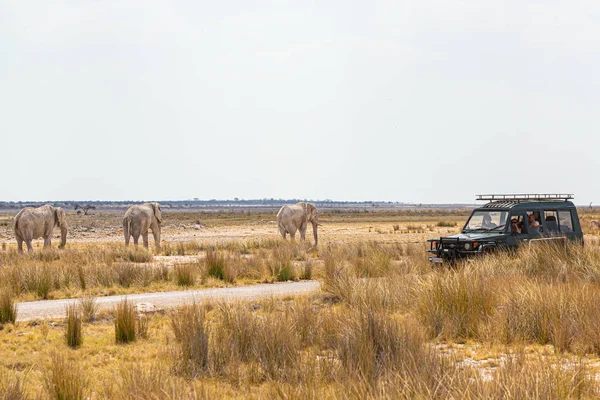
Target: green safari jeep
508, 221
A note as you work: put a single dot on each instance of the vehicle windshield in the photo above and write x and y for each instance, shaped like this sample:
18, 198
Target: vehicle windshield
486, 220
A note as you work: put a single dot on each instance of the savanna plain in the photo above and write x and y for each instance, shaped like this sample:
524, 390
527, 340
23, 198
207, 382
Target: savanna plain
384, 324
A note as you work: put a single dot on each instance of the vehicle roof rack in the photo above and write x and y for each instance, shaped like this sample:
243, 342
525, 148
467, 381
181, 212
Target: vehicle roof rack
525, 197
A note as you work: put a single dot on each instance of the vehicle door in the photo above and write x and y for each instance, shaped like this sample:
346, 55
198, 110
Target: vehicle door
518, 229
551, 231
565, 224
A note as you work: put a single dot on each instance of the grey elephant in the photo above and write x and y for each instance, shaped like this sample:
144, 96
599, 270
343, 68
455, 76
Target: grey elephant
295, 217
34, 223
138, 219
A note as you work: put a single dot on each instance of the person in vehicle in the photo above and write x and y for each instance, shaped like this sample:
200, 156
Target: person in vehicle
487, 222
532, 221
514, 226
534, 224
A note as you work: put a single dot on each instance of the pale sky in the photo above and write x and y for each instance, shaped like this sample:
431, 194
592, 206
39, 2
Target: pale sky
416, 101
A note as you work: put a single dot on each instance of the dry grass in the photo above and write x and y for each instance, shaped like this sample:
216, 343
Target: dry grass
125, 321
73, 332
190, 352
65, 379
8, 308
520, 325
89, 308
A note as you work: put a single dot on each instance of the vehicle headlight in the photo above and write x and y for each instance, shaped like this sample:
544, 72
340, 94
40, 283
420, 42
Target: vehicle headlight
467, 246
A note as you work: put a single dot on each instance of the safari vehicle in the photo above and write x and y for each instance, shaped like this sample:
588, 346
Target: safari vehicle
508, 221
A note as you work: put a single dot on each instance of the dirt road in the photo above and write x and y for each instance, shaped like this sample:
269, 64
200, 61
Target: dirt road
56, 308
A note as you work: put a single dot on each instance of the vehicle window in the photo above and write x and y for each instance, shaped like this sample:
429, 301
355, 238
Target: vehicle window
487, 220
551, 218
517, 224
565, 220
534, 221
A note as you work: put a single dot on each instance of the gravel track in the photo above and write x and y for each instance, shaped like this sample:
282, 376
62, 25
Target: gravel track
56, 308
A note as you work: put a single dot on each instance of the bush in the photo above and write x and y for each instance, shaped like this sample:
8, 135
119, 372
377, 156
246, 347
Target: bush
125, 322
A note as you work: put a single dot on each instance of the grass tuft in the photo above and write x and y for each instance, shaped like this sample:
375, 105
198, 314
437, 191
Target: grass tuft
125, 319
185, 274
65, 379
190, 352
215, 263
73, 331
8, 308
89, 308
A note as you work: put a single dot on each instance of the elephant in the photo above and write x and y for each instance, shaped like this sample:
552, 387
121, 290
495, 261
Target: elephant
138, 219
34, 223
292, 217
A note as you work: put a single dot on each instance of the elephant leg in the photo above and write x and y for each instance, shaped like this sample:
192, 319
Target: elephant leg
19, 242
127, 238
282, 232
47, 242
292, 231
145, 239
136, 239
29, 246
303, 231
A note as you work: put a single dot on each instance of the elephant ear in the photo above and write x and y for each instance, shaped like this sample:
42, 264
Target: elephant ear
157, 212
59, 217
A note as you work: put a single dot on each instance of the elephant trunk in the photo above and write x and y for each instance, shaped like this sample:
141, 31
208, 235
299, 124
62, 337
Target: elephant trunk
63, 235
314, 225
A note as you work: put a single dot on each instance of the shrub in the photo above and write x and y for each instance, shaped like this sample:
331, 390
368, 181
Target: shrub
125, 317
